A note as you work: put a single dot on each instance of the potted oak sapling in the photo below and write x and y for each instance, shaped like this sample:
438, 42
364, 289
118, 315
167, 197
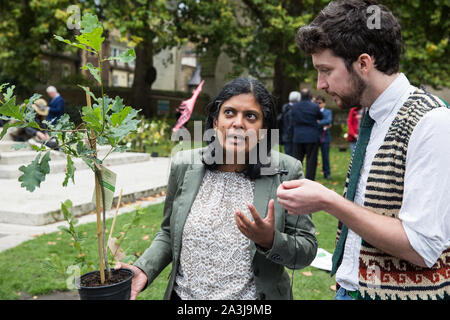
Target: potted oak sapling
105, 122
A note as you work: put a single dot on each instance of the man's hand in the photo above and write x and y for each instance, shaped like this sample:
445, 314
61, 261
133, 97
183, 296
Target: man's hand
383, 232
303, 196
139, 280
259, 231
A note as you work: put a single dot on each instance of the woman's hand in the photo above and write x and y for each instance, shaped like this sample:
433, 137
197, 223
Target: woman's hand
139, 279
260, 231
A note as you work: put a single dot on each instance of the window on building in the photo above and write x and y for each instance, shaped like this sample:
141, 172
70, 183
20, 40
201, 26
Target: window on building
130, 80
66, 70
119, 63
114, 52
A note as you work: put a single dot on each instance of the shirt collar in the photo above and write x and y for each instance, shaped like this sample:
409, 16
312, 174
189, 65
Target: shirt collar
385, 104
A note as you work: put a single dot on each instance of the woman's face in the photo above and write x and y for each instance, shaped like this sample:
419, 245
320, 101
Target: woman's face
238, 124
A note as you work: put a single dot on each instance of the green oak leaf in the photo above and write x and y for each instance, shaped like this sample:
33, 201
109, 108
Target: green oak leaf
65, 206
117, 105
125, 123
73, 44
125, 57
89, 22
118, 117
92, 117
89, 92
9, 93
35, 172
70, 171
92, 39
45, 167
94, 71
3, 85
28, 112
63, 123
8, 125
10, 109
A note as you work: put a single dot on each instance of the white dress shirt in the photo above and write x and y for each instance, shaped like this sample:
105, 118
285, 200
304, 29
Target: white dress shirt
425, 210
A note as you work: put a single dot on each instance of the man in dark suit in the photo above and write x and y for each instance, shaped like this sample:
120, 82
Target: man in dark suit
285, 123
56, 105
324, 135
306, 132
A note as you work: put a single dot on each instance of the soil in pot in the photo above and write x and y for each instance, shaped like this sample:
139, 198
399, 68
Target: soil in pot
116, 288
92, 279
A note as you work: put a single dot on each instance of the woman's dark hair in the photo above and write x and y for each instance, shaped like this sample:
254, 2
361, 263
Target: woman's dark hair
347, 28
268, 108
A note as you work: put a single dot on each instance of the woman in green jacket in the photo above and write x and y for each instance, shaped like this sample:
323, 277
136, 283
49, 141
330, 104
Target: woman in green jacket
222, 229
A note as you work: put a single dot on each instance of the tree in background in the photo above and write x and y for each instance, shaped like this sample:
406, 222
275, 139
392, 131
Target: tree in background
259, 36
26, 28
425, 29
152, 25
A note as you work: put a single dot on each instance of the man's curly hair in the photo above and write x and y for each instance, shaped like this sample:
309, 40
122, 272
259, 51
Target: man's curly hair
343, 26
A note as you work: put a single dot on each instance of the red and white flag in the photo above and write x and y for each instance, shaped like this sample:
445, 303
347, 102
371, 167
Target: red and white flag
187, 107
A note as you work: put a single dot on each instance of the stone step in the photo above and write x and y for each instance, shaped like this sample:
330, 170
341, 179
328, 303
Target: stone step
58, 162
43, 206
25, 157
7, 146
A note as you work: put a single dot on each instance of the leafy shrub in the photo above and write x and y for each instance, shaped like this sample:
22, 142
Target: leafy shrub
151, 133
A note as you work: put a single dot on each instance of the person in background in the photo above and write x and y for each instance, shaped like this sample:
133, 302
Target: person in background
285, 122
39, 135
393, 239
306, 132
353, 121
56, 105
325, 135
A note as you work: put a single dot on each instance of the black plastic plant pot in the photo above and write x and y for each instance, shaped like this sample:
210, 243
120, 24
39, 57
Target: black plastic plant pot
109, 291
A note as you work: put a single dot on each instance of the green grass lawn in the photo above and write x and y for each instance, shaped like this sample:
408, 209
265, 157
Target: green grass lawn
22, 268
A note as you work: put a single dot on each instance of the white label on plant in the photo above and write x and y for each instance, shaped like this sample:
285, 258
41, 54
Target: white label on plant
109, 186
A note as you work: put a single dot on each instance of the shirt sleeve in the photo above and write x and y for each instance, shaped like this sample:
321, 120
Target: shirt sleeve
425, 212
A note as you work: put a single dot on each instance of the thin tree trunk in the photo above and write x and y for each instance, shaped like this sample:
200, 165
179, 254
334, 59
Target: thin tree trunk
144, 76
282, 84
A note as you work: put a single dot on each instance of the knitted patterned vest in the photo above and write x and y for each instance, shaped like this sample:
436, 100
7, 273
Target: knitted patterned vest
382, 276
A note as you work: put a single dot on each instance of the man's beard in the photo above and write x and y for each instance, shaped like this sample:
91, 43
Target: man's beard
352, 99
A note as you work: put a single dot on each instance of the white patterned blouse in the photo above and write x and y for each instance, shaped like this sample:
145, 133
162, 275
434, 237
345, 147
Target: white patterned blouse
215, 256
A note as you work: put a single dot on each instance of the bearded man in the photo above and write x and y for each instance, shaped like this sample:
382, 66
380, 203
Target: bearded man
394, 232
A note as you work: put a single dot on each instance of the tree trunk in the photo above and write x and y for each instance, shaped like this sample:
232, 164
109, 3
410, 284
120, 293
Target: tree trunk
282, 84
144, 76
